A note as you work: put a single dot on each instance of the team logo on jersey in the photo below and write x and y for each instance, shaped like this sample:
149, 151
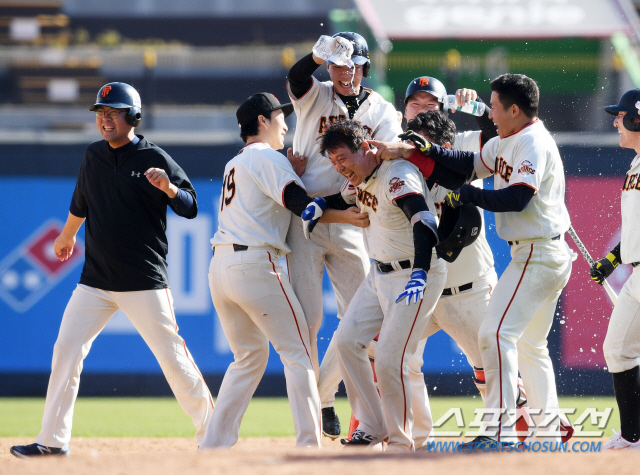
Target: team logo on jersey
31, 270
526, 168
395, 185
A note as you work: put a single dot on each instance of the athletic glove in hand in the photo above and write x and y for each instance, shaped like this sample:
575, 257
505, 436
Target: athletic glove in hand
453, 199
418, 140
604, 267
311, 214
415, 287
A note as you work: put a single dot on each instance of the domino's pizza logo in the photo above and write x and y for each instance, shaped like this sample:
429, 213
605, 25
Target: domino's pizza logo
31, 270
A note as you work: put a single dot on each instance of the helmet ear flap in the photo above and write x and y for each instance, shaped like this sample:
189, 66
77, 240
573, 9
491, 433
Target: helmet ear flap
134, 116
366, 69
628, 123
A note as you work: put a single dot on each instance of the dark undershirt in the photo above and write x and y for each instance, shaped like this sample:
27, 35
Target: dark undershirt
512, 198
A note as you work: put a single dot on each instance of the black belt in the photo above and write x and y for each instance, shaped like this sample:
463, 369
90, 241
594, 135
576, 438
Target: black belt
236, 248
635, 264
462, 288
511, 243
386, 268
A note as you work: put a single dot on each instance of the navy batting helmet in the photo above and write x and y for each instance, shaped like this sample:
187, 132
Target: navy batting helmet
360, 50
629, 103
458, 228
121, 96
429, 85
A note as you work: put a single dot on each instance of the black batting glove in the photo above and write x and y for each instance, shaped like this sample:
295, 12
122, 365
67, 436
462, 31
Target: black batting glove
453, 199
605, 267
418, 140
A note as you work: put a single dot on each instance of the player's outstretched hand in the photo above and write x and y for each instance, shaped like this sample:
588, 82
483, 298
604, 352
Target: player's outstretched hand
418, 140
298, 162
391, 150
159, 178
453, 199
603, 268
63, 246
415, 288
356, 218
311, 214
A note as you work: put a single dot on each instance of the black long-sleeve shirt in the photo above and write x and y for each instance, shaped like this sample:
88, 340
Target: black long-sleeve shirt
126, 216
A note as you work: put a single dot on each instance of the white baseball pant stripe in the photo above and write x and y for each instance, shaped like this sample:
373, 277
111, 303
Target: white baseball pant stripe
622, 344
459, 316
86, 314
255, 305
373, 310
339, 247
514, 333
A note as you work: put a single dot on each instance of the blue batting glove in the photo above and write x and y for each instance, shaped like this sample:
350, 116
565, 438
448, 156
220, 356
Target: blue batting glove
415, 287
312, 214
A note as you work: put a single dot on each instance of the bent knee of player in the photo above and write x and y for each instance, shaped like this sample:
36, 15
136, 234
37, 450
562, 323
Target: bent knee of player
613, 355
348, 341
528, 351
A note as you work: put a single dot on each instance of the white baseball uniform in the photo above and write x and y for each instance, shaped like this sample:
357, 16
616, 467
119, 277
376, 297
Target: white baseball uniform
388, 239
622, 343
254, 300
460, 312
514, 332
339, 247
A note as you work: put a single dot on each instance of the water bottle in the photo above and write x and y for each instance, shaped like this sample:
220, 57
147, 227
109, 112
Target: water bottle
471, 107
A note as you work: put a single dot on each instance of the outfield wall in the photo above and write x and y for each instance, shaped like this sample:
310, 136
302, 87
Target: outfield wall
34, 287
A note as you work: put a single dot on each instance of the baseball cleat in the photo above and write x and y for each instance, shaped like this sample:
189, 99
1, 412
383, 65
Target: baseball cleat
330, 423
359, 438
483, 441
617, 442
37, 450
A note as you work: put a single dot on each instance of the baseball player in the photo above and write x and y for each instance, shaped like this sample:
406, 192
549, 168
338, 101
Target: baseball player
400, 240
339, 247
471, 277
122, 191
254, 301
622, 343
528, 199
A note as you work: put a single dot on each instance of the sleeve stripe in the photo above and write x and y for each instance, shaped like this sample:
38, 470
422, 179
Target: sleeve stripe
393, 200
485, 165
525, 184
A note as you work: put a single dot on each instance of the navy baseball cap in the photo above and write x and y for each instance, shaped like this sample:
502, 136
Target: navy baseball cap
262, 103
629, 102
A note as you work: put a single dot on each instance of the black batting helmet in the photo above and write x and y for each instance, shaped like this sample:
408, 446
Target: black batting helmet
429, 85
458, 228
360, 50
629, 103
121, 96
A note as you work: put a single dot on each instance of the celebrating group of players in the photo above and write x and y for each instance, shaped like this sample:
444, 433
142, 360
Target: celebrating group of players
366, 200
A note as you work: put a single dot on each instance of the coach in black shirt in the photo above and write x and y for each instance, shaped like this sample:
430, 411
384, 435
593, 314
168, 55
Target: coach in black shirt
122, 191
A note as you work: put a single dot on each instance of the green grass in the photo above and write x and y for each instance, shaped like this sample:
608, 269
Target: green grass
266, 417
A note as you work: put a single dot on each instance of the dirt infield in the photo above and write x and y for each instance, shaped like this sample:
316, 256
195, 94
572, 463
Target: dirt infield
178, 456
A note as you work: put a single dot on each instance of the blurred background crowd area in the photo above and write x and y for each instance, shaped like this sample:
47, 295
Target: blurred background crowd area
194, 61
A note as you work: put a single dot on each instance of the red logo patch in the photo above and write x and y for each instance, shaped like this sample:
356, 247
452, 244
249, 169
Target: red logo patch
424, 81
526, 168
395, 185
106, 90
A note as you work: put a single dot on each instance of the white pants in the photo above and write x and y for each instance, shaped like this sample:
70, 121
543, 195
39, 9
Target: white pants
622, 343
87, 313
373, 310
514, 333
256, 305
459, 316
339, 247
